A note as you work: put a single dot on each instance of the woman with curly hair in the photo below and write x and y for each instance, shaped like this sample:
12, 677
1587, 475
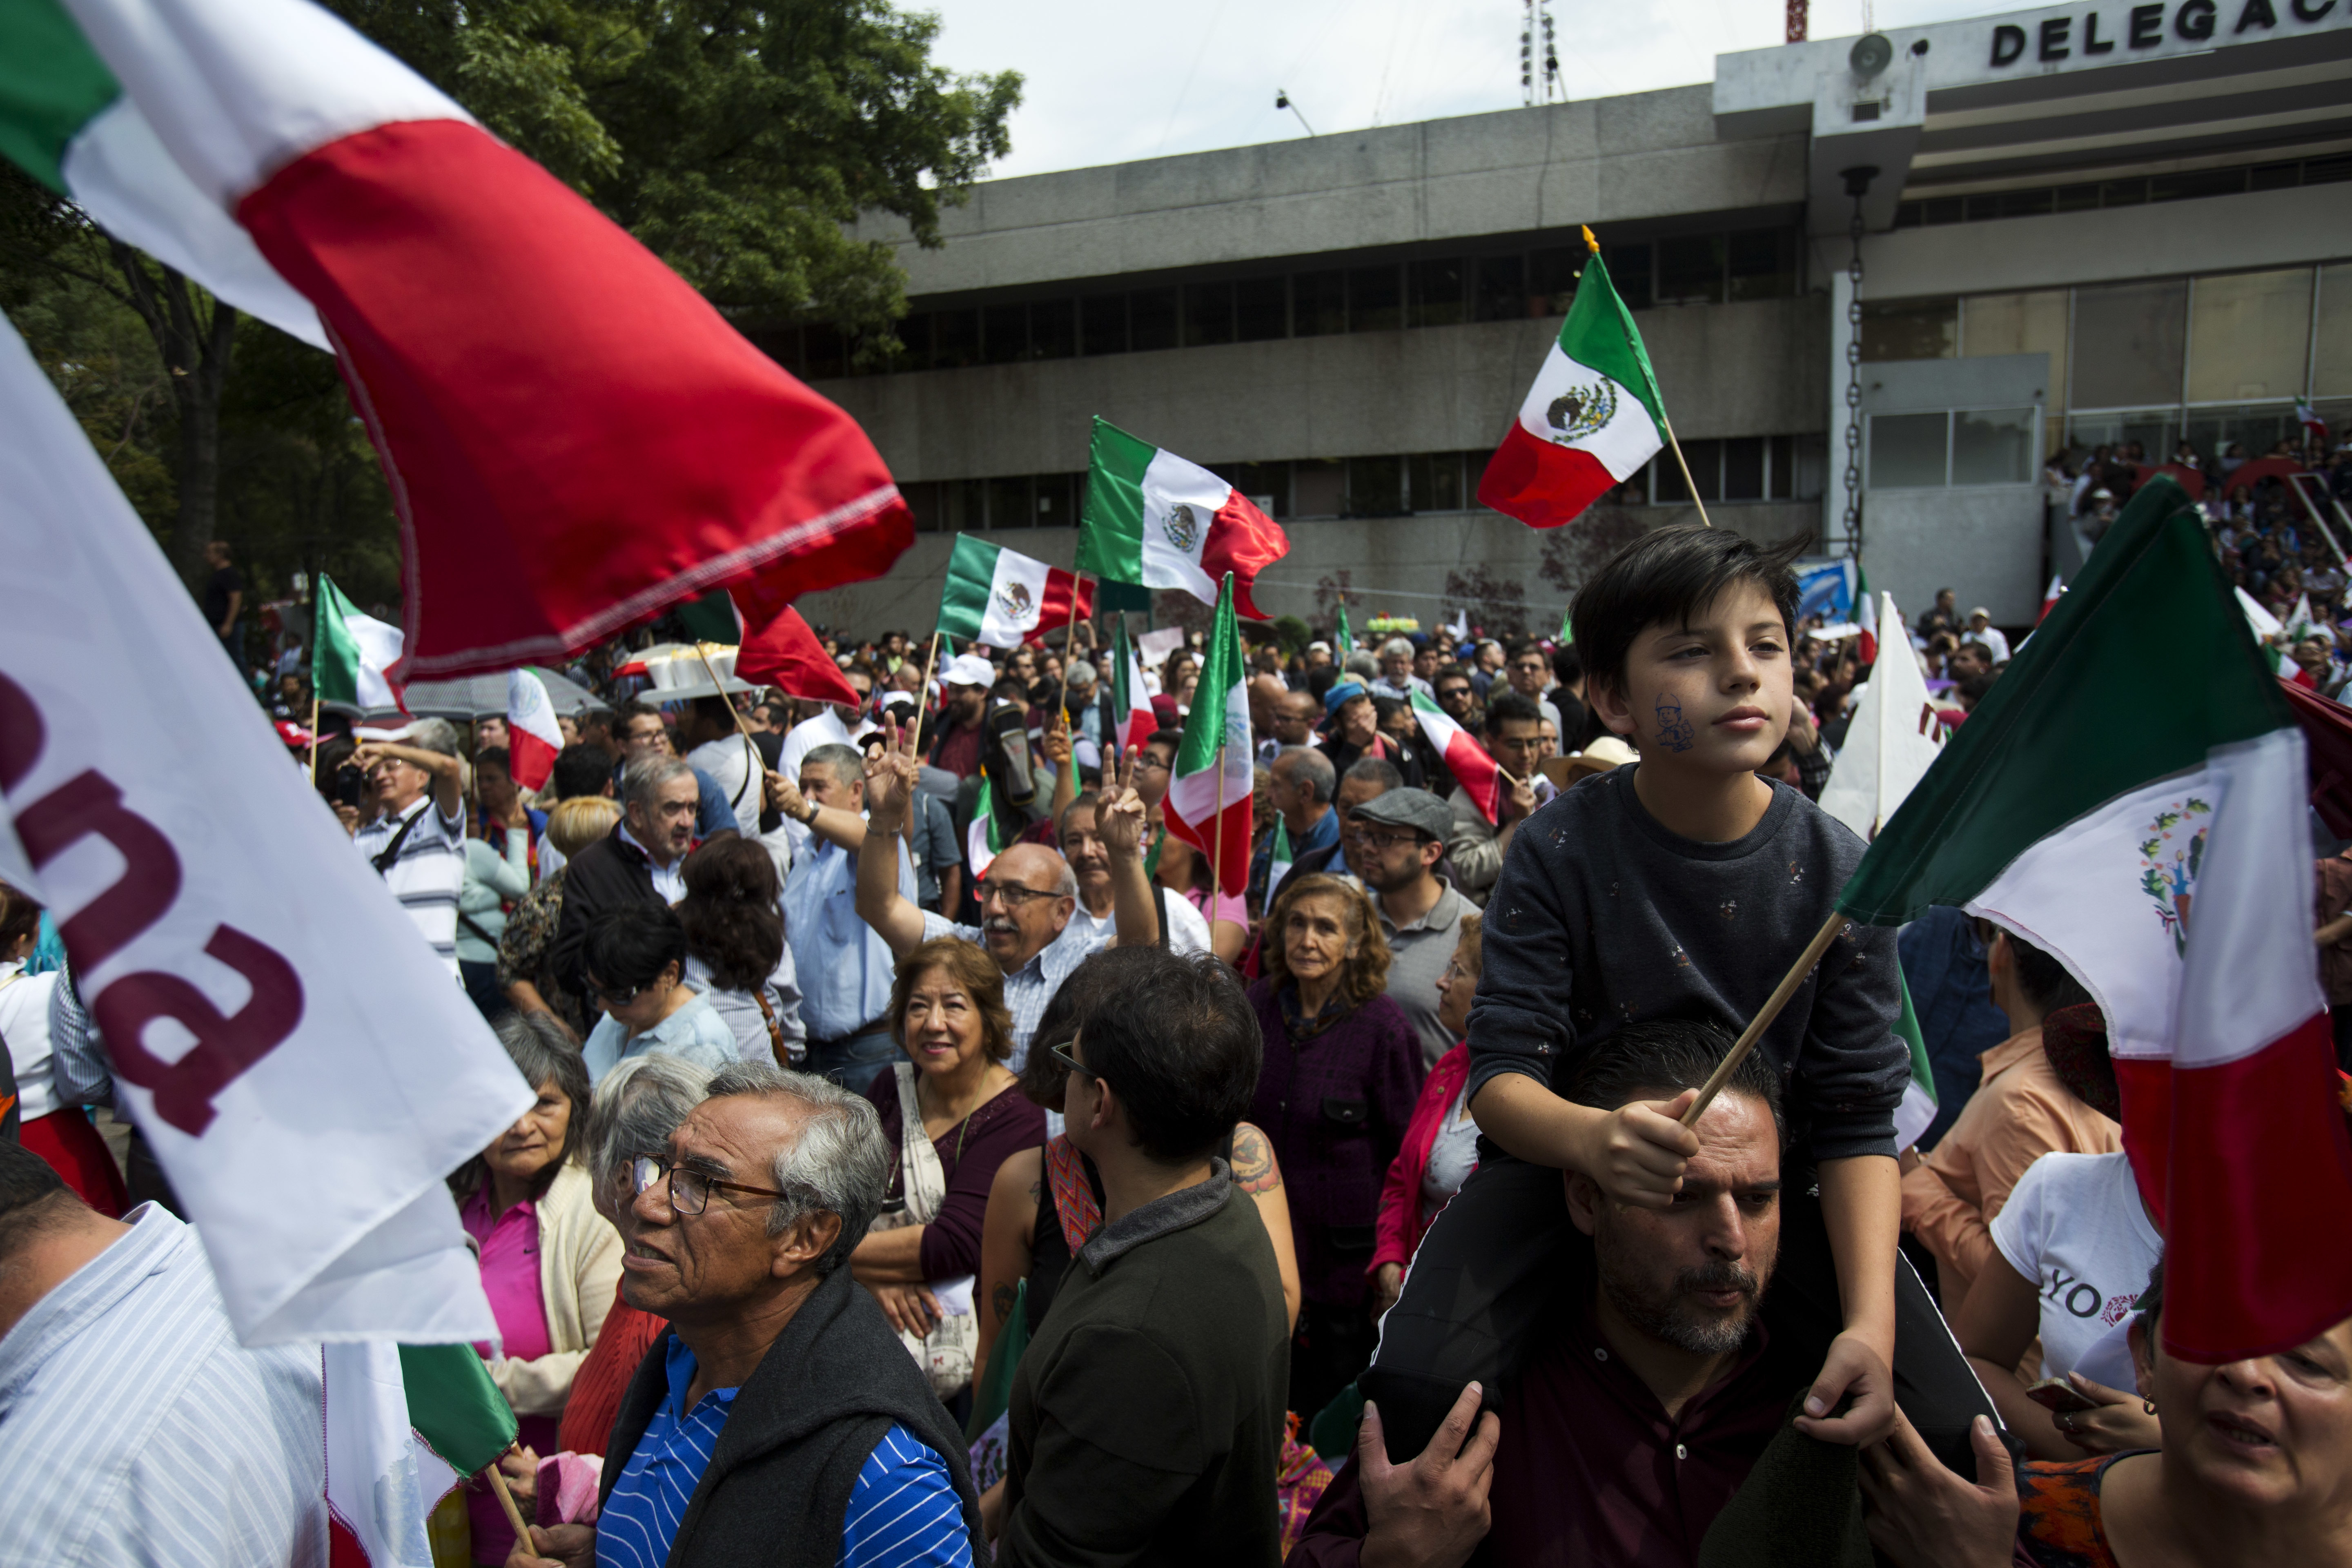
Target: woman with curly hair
949, 1113
1342, 1070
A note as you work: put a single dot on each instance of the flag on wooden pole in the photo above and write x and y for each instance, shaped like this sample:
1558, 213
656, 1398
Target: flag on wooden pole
1209, 801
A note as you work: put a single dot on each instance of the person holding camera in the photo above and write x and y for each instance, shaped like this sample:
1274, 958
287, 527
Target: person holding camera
418, 844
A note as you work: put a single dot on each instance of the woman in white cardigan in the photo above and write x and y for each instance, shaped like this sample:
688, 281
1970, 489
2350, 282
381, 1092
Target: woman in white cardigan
550, 1261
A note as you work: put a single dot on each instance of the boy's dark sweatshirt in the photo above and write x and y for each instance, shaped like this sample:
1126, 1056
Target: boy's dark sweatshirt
1602, 916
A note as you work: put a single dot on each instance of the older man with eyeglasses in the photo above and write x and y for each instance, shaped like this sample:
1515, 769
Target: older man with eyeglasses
780, 1420
1027, 894
418, 844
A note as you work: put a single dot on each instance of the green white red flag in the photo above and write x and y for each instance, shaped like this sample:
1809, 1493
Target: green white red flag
1465, 759
1154, 519
1590, 421
1209, 803
1892, 740
574, 437
403, 1423
352, 655
985, 839
533, 736
2167, 863
1130, 701
1003, 598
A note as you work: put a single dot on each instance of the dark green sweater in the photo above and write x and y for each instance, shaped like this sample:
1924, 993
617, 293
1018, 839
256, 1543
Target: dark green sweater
1147, 1416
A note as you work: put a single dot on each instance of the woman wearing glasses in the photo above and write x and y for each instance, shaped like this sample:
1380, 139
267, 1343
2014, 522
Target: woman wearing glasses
1342, 1068
949, 1114
634, 962
550, 1263
1441, 1142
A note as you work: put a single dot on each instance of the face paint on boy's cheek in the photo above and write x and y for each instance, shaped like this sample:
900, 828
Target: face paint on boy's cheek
1674, 732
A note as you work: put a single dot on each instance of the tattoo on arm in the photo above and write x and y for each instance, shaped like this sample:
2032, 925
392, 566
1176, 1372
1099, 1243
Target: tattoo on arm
1254, 1171
1003, 1300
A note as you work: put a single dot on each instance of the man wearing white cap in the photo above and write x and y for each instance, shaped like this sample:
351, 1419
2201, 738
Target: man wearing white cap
967, 682
1981, 629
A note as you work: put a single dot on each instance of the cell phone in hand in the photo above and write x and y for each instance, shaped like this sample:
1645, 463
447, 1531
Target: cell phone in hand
2056, 1393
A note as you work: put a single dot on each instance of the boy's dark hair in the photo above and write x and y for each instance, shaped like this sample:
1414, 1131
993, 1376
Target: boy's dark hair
632, 945
2042, 978
580, 770
1174, 1035
1043, 1076
1172, 739
495, 757
33, 1198
1567, 664
1507, 706
1659, 1058
1668, 576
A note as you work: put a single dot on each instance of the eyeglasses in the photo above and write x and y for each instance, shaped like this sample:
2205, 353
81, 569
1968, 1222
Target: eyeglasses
1530, 667
1375, 839
1011, 895
689, 1191
1151, 759
1062, 1055
614, 996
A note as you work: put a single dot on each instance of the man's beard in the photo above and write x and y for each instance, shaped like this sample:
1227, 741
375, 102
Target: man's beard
1672, 1318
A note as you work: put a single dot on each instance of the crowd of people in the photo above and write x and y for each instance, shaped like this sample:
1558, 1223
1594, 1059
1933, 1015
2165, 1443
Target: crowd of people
889, 1202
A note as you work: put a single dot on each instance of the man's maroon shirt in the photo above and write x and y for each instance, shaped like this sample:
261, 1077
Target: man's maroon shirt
1589, 1470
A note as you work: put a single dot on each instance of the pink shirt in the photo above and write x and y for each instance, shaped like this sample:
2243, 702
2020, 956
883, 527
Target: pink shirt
510, 1279
1220, 906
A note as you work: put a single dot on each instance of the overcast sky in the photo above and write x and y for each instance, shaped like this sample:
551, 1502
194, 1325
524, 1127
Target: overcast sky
1112, 80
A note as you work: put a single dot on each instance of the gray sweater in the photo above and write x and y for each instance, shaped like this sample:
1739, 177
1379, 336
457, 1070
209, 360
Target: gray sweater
1602, 917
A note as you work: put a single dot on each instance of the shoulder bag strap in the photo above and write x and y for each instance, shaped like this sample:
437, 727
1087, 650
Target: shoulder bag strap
775, 1030
383, 861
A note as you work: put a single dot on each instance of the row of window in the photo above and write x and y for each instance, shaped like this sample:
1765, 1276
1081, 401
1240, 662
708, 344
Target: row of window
2182, 185
1951, 446
1740, 468
2233, 337
1534, 284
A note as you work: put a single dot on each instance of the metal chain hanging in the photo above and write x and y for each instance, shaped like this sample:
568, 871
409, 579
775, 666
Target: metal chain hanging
1857, 182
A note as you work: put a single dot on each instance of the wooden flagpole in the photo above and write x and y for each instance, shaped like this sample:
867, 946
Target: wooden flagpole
314, 732
923, 697
1592, 247
712, 670
1763, 1019
507, 1501
1217, 852
1069, 649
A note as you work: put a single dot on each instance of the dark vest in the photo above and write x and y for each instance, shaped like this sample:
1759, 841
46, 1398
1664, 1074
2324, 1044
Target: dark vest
779, 1481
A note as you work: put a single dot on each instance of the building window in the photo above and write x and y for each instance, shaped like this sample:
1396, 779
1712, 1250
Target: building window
1968, 447
1437, 289
1375, 299
1268, 485
1102, 323
1992, 447
1501, 289
955, 339
1908, 451
1375, 487
1926, 329
1763, 263
2249, 335
2331, 369
1318, 303
1551, 279
1261, 309
1004, 333
1319, 487
1433, 481
1152, 319
1628, 269
1690, 270
2129, 340
1743, 468
1053, 329
1208, 314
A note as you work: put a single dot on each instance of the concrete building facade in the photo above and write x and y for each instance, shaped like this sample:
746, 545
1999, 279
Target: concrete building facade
2134, 225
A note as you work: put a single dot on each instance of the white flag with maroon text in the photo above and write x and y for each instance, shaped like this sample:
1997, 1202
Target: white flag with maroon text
304, 1066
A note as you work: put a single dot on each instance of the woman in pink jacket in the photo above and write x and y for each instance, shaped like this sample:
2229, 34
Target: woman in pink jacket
1441, 1142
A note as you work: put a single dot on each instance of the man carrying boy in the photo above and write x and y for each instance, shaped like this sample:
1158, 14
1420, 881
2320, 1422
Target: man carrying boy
1681, 886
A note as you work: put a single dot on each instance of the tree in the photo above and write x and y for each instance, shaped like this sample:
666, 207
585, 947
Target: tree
736, 142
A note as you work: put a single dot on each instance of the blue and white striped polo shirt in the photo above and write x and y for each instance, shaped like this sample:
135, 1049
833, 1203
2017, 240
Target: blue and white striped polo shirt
903, 1511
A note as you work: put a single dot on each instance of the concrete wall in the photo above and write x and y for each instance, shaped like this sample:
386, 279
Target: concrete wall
1647, 154
1984, 542
2215, 234
1398, 564
1752, 369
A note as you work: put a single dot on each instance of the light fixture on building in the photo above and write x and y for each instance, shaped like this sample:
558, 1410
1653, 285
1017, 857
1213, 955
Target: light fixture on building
1282, 102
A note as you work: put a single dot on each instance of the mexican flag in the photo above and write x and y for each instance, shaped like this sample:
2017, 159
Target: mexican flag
1343, 641
983, 841
1154, 519
533, 735
1590, 421
2167, 864
773, 645
350, 653
1894, 739
574, 437
404, 1424
1918, 1111
1280, 857
1209, 804
1465, 759
1003, 598
1866, 616
2050, 597
1130, 702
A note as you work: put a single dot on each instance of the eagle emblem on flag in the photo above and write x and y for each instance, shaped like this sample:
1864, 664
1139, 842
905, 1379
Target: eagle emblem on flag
1580, 411
1014, 597
2170, 858
1183, 528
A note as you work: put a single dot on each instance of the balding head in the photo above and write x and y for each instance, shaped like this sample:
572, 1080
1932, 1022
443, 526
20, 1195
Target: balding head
1026, 898
1295, 714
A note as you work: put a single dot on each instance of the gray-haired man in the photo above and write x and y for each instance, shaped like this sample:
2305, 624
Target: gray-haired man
779, 1421
642, 861
418, 844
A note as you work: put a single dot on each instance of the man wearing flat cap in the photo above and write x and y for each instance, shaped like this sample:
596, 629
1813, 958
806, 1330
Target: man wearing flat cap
1394, 842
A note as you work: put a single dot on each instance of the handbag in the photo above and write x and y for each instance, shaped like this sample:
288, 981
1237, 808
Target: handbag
946, 1354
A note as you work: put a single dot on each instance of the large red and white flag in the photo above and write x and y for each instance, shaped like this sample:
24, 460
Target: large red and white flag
2166, 862
574, 437
303, 1065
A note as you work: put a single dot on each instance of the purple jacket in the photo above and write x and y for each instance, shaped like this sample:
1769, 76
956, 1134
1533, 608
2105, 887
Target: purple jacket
1336, 1105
